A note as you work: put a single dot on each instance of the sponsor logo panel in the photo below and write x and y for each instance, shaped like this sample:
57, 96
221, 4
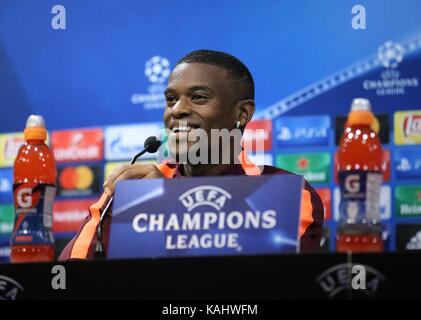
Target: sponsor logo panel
123, 142
302, 130
68, 215
258, 135
408, 237
407, 127
9, 147
79, 180
315, 167
78, 145
6, 186
407, 163
408, 201
7, 217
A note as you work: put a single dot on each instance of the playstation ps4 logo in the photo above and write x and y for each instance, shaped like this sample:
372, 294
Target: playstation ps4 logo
204, 196
302, 130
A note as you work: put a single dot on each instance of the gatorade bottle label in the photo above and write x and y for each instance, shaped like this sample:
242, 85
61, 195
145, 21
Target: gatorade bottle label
360, 195
33, 213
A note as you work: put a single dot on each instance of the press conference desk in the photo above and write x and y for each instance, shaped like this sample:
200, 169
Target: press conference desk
315, 276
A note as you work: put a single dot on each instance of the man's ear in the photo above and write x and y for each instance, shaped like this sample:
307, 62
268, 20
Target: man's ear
245, 112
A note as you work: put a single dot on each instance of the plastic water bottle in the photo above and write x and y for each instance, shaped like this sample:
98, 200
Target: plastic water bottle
34, 188
360, 163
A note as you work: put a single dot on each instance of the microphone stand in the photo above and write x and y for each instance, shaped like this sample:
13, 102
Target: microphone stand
99, 252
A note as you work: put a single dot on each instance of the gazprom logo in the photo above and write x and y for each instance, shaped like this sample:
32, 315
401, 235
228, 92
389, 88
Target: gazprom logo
118, 146
206, 195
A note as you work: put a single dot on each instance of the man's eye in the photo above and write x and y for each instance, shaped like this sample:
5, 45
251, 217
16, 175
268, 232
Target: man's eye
198, 97
170, 99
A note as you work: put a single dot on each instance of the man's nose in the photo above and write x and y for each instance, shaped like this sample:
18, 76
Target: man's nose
180, 110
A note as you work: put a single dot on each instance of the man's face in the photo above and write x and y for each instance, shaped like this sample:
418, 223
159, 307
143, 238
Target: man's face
200, 96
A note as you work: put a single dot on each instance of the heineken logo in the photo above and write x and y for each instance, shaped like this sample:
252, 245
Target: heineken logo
315, 167
408, 200
303, 163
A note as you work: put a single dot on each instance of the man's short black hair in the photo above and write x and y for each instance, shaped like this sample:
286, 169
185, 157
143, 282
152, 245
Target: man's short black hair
235, 68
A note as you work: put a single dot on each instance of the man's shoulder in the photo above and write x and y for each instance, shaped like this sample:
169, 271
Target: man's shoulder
273, 170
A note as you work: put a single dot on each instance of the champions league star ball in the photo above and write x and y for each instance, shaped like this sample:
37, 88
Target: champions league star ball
157, 69
390, 54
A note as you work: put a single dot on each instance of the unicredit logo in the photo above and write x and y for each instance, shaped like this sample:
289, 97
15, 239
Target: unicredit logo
76, 153
83, 144
412, 125
204, 195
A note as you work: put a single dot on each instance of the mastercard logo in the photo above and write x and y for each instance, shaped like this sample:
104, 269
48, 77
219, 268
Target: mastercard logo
79, 178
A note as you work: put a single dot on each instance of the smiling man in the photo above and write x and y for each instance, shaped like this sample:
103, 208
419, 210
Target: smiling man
208, 91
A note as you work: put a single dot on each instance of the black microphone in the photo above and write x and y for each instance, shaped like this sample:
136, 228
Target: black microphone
151, 145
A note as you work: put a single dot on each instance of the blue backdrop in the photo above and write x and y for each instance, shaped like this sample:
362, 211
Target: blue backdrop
86, 74
111, 63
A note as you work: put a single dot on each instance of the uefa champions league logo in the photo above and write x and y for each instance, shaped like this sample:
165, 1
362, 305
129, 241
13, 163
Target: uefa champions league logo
338, 279
390, 54
157, 69
204, 196
392, 82
9, 288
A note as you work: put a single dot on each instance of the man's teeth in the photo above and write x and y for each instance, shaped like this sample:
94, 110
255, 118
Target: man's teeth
182, 129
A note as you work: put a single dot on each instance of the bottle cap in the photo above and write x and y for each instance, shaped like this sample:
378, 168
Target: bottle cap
360, 104
35, 121
360, 112
35, 128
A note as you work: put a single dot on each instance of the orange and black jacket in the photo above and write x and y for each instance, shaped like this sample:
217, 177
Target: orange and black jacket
82, 246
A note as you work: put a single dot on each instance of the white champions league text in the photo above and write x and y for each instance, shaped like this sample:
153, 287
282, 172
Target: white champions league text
227, 222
